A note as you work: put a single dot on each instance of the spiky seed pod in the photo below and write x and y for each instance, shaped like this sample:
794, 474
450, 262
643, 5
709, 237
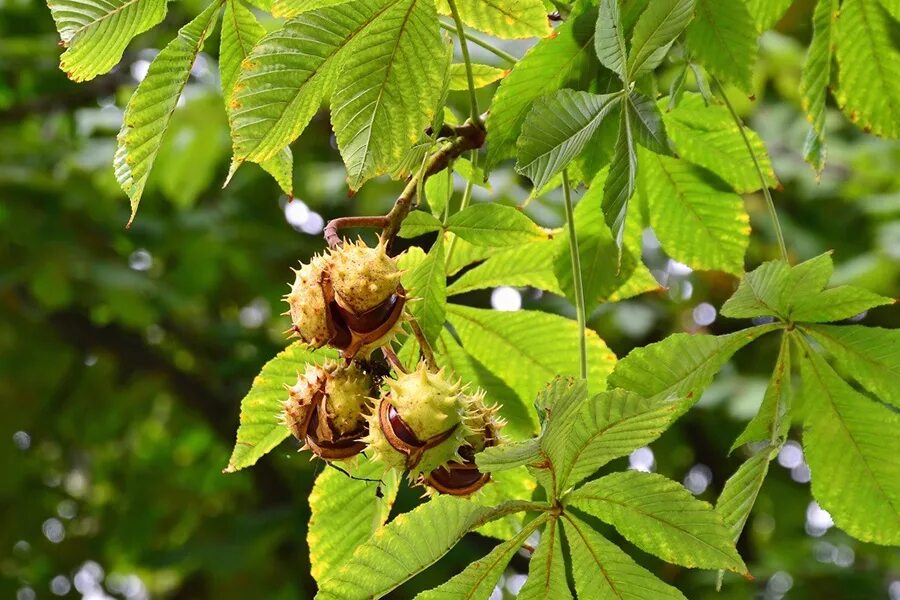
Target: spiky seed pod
421, 416
326, 409
463, 478
363, 277
308, 305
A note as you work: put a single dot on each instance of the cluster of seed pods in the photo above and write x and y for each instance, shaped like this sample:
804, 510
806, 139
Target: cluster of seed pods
421, 423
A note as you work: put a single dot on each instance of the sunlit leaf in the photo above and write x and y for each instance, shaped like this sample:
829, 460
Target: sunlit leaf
722, 37
773, 419
547, 568
509, 19
817, 75
426, 286
655, 31
494, 225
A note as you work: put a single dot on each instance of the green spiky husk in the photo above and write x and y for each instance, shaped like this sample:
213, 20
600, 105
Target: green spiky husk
362, 277
307, 303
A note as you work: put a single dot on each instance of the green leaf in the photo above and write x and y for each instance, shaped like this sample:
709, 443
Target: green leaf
868, 89
557, 130
854, 460
479, 578
528, 348
419, 222
773, 419
610, 425
547, 568
760, 292
647, 123
509, 456
483, 75
261, 428
521, 422
602, 570
513, 484
438, 190
281, 168
426, 287
837, 303
494, 225
766, 13
528, 264
739, 494
659, 516
553, 63
707, 136
388, 89
345, 511
619, 185
290, 72
286, 9
722, 37
406, 546
150, 108
466, 254
680, 366
816, 73
697, 219
870, 354
507, 19
95, 34
655, 31
609, 41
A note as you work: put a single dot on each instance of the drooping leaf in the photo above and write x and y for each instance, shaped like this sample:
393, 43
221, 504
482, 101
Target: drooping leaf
870, 354
680, 366
602, 570
555, 62
609, 41
722, 37
697, 219
345, 511
388, 89
661, 517
404, 547
773, 419
834, 304
655, 31
528, 348
494, 225
508, 19
426, 286
547, 568
479, 578
524, 265
855, 465
417, 223
290, 72
286, 9
260, 428
608, 426
767, 12
482, 76
557, 130
95, 34
816, 74
868, 59
152, 104
620, 182
707, 136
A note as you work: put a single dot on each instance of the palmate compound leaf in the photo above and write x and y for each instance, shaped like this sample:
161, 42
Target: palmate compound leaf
494, 225
388, 89
722, 37
95, 33
697, 218
853, 452
240, 33
528, 348
547, 567
682, 365
603, 571
261, 429
870, 354
556, 62
868, 89
346, 510
557, 130
290, 72
480, 577
816, 76
406, 546
655, 31
150, 108
508, 19
661, 517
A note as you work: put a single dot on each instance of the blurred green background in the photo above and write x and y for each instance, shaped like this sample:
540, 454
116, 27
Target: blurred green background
124, 353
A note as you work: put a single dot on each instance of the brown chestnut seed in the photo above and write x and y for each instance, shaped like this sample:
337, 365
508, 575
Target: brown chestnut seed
401, 437
457, 480
338, 448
